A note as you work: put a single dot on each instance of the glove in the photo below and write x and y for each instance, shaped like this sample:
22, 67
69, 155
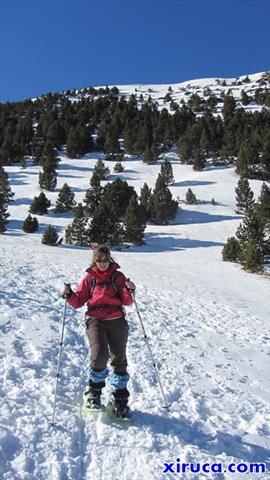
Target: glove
130, 285
67, 291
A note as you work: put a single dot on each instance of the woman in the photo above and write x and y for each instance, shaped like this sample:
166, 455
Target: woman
105, 290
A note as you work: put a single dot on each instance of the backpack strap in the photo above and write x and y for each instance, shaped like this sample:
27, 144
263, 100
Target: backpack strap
112, 278
111, 281
92, 285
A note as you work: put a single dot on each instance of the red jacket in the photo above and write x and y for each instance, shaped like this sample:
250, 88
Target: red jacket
105, 303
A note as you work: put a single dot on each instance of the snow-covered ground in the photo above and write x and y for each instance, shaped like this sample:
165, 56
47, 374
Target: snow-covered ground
207, 321
181, 92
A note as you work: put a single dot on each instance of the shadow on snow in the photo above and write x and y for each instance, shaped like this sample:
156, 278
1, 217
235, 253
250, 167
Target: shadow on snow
192, 183
163, 242
191, 433
192, 217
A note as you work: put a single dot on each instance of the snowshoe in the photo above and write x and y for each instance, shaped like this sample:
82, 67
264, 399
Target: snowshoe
119, 410
92, 400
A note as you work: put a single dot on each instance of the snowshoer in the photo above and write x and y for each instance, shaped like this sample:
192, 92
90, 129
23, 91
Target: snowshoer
105, 290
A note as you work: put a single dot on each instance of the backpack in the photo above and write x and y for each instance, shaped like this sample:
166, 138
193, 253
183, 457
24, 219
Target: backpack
109, 281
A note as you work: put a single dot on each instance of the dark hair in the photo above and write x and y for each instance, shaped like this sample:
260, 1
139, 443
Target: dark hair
99, 252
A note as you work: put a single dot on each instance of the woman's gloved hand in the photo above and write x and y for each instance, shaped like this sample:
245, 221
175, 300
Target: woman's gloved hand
67, 291
130, 285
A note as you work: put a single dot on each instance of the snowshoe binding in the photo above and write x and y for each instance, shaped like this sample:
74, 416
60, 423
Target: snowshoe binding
92, 399
119, 410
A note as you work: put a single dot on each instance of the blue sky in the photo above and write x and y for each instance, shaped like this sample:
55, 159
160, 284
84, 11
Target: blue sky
53, 45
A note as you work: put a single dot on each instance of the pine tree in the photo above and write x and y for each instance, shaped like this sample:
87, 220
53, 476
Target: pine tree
65, 200
191, 197
5, 196
204, 143
104, 228
231, 250
112, 145
142, 138
245, 99
263, 211
92, 199
148, 156
265, 158
162, 207
229, 107
118, 167
30, 224
199, 160
94, 194
101, 135
7, 154
145, 201
50, 236
250, 235
3, 213
244, 196
117, 196
48, 177
100, 172
40, 204
247, 160
130, 136
264, 203
151, 154
95, 180
49, 160
5, 189
73, 143
49, 155
76, 233
166, 171
252, 256
184, 149
86, 139
134, 222
56, 133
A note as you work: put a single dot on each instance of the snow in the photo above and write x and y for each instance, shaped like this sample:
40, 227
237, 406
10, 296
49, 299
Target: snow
180, 92
207, 323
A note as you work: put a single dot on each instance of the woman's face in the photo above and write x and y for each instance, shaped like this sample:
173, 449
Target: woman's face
103, 263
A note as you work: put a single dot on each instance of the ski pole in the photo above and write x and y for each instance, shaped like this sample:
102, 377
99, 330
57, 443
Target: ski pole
53, 423
166, 404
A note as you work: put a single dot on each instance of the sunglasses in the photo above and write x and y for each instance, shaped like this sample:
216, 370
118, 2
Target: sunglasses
103, 260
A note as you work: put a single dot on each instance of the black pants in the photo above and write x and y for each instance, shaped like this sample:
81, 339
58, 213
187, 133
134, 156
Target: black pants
108, 339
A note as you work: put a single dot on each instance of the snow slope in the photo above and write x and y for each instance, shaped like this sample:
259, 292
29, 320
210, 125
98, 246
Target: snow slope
181, 92
207, 321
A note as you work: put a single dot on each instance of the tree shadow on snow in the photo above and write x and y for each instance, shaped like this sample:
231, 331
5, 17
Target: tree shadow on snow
69, 176
14, 228
195, 216
17, 178
21, 201
163, 243
192, 183
66, 167
121, 175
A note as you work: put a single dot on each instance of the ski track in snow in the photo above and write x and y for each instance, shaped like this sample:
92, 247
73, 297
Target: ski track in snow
211, 360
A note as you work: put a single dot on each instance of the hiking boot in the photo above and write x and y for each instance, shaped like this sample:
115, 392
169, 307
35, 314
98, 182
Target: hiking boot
120, 406
121, 409
92, 400
92, 395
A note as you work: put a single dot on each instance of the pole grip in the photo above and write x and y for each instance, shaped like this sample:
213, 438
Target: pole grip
65, 295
